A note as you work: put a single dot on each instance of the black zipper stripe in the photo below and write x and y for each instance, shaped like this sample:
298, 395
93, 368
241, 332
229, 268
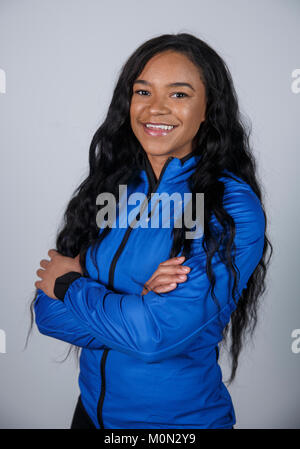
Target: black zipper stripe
151, 178
217, 352
102, 394
150, 174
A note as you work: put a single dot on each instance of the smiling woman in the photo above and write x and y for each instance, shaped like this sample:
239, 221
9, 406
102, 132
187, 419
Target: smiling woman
174, 117
148, 307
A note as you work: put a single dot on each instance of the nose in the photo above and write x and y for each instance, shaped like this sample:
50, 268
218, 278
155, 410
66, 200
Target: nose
158, 106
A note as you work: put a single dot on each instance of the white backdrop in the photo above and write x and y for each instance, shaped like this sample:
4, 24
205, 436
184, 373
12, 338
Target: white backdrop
59, 61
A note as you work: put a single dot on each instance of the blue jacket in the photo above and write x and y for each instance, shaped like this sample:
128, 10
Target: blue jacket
152, 361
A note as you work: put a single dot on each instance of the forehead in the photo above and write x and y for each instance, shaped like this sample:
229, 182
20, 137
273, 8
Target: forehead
170, 66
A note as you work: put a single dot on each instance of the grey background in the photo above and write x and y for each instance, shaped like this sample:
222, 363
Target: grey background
62, 59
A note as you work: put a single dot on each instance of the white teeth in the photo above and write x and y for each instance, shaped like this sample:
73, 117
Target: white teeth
159, 126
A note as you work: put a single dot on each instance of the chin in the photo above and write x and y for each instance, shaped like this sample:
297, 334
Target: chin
154, 151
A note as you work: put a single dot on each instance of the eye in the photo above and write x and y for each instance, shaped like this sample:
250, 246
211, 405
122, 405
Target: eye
137, 92
181, 93
176, 93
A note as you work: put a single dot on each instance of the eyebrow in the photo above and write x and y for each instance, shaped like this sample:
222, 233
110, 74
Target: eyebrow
168, 85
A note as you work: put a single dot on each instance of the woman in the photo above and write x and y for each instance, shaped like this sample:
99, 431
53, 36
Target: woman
149, 338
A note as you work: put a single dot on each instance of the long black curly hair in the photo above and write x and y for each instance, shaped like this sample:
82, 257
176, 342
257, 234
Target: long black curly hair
222, 141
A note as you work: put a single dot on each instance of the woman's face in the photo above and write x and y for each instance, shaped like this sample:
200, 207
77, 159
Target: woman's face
155, 100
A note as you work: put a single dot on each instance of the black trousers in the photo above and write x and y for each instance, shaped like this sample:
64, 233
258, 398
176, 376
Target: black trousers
81, 419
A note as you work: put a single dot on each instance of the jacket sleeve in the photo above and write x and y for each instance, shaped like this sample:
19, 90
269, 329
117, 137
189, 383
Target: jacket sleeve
157, 326
54, 320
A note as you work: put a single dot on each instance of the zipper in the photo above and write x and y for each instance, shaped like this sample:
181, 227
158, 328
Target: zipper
153, 186
101, 398
217, 353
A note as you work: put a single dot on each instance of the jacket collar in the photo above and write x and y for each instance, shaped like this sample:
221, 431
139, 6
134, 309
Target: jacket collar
175, 170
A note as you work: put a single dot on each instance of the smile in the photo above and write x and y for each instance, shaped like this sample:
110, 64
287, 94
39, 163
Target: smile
158, 130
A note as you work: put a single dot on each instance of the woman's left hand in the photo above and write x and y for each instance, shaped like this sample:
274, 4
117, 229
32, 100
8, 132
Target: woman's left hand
53, 268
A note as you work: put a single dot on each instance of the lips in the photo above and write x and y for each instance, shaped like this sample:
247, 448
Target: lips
157, 131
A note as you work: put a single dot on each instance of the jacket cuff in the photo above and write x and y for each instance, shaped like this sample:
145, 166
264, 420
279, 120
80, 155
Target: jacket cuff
63, 282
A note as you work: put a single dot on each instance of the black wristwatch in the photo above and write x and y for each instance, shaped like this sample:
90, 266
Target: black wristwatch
63, 282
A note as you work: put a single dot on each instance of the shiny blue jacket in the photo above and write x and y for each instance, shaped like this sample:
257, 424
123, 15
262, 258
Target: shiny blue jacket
152, 361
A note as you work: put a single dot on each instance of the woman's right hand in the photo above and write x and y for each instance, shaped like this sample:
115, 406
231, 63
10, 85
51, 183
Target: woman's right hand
167, 276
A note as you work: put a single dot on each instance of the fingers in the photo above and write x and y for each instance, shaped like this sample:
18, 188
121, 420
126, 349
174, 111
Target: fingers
170, 270
44, 263
52, 253
173, 266
173, 261
165, 288
169, 266
167, 276
44, 271
40, 273
38, 284
166, 280
160, 289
